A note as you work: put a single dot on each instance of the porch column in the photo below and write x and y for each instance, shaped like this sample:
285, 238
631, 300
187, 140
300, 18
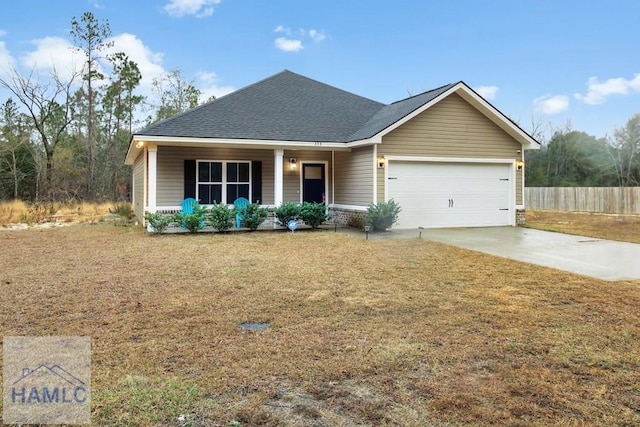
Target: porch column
278, 174
152, 158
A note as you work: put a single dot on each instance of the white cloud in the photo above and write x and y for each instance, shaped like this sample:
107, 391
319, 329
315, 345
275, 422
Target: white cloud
548, 104
3, 32
198, 8
293, 41
54, 53
58, 52
317, 36
209, 86
598, 91
6, 60
150, 65
282, 29
487, 92
288, 45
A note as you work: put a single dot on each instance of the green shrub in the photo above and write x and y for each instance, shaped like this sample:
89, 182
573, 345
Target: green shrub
221, 217
254, 216
158, 221
286, 212
313, 214
383, 215
194, 221
122, 209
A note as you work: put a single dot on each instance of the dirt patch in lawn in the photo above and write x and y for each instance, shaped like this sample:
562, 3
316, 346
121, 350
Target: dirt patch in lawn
377, 332
624, 228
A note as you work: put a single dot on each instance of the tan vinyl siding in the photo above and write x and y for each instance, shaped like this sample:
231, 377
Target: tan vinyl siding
354, 177
291, 179
450, 128
171, 169
138, 189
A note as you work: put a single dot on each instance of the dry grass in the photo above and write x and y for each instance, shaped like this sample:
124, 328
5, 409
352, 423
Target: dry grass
625, 228
377, 332
17, 211
11, 212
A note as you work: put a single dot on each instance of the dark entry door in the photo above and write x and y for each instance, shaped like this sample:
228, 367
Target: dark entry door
313, 182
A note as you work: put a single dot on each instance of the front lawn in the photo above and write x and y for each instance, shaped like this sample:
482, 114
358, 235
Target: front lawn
361, 332
625, 228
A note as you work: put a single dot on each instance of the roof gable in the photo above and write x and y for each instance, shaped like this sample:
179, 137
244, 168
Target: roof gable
479, 103
392, 113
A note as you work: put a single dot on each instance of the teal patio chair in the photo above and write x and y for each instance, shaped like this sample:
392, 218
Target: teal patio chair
187, 205
241, 209
187, 208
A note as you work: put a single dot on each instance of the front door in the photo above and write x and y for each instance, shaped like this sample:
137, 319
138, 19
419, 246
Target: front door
313, 182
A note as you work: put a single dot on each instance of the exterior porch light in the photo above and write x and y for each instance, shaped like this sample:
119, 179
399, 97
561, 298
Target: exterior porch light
293, 162
139, 144
519, 165
381, 162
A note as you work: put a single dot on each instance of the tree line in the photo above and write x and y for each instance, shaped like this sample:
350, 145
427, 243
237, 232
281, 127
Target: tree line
575, 159
65, 138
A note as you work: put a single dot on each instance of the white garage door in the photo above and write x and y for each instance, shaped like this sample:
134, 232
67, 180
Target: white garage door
451, 194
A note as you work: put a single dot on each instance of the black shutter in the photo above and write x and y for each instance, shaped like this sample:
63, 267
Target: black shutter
256, 182
189, 179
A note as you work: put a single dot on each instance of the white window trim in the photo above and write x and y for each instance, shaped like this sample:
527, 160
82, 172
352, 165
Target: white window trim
224, 178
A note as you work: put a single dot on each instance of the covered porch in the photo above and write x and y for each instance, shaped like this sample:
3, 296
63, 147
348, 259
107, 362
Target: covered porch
164, 175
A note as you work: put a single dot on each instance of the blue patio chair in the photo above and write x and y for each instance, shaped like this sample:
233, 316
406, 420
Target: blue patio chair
187, 208
187, 205
241, 209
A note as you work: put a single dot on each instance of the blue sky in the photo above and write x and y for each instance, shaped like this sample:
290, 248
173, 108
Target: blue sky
546, 61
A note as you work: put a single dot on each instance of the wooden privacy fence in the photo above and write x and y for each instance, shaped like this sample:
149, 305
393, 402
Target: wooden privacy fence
616, 200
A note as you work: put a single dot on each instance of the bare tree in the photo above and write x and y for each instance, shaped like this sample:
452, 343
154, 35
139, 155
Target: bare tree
48, 107
175, 94
625, 152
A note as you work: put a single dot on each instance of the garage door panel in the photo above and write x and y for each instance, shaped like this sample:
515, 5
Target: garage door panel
450, 194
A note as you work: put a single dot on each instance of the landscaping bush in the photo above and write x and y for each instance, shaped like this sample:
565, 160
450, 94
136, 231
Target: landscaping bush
158, 221
313, 214
221, 217
122, 209
194, 221
383, 215
286, 212
254, 216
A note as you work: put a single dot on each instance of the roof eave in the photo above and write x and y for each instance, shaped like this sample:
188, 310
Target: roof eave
139, 141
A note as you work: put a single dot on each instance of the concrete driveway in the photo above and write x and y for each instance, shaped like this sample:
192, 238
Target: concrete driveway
602, 259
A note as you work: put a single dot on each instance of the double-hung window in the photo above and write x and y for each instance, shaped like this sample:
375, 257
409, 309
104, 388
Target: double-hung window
223, 181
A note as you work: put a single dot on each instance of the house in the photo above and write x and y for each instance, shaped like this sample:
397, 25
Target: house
447, 156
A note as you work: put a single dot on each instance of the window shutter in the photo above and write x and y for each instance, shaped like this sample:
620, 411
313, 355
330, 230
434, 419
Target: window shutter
189, 179
256, 182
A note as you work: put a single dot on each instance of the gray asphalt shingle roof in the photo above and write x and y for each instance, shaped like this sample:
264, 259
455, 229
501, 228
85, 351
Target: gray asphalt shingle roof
290, 107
